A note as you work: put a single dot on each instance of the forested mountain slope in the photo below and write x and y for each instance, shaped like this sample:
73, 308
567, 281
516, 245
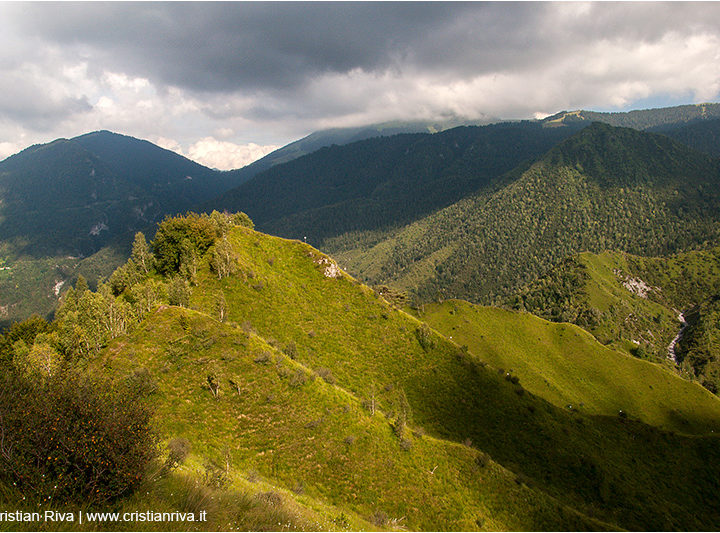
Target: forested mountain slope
380, 183
341, 136
603, 188
657, 119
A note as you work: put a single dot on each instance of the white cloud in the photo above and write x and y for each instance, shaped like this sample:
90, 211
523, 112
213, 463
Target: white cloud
225, 155
7, 149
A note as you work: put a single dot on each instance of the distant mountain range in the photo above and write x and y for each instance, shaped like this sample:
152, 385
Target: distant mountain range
346, 189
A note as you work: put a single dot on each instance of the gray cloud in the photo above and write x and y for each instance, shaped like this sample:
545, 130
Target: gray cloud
269, 72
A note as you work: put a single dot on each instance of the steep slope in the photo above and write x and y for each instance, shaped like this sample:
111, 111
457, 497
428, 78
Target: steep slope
703, 136
566, 366
294, 296
633, 304
603, 188
60, 198
376, 433
380, 183
278, 420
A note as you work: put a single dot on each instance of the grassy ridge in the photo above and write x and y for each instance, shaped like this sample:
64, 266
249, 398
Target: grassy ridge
291, 380
565, 365
374, 351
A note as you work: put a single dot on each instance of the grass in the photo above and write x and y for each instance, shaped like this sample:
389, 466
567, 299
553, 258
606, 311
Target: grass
313, 434
411, 432
566, 366
373, 351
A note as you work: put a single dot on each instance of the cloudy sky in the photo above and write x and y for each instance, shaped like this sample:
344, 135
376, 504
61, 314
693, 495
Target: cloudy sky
224, 83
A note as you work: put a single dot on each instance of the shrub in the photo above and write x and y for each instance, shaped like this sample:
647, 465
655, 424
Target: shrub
291, 350
142, 383
263, 358
215, 476
326, 374
178, 450
424, 337
73, 438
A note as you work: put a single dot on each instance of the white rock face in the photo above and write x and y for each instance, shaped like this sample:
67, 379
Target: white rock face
637, 286
97, 228
56, 288
331, 268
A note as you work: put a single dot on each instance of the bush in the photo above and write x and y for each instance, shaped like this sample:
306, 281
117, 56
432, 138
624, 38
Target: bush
73, 438
180, 239
326, 374
424, 337
178, 450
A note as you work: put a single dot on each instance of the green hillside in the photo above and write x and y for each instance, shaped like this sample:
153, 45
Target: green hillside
287, 376
314, 442
632, 303
603, 188
372, 351
566, 366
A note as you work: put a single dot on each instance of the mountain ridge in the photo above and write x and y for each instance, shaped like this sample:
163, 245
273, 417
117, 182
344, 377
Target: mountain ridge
551, 210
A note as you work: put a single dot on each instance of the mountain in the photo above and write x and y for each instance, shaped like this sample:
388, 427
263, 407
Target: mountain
382, 182
341, 136
74, 196
602, 188
174, 179
71, 207
658, 119
703, 135
276, 375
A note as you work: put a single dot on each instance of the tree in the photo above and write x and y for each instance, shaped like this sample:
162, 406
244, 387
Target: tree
141, 255
223, 261
179, 292
181, 240
26, 331
81, 285
221, 306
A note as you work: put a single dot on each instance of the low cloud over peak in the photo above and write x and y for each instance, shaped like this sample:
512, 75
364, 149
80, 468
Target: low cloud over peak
272, 72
